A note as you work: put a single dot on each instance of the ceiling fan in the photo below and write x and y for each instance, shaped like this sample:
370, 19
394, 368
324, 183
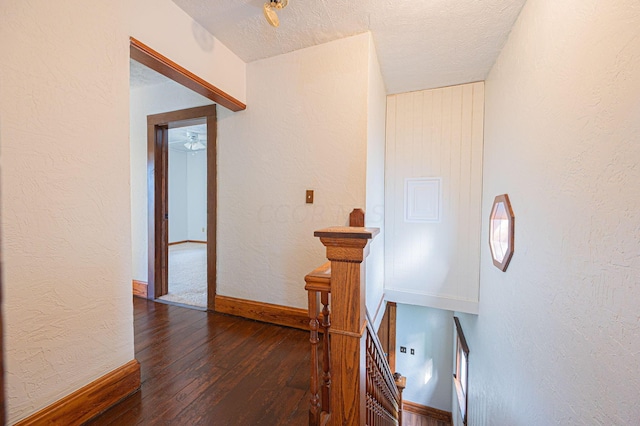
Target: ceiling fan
270, 8
193, 142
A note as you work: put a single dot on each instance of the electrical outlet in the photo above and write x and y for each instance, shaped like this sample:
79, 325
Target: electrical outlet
403, 349
413, 351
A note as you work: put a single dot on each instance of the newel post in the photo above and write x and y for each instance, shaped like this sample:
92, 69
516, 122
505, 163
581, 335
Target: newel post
347, 248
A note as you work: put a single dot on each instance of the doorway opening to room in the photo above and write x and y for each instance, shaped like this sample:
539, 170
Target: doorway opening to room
182, 133
182, 211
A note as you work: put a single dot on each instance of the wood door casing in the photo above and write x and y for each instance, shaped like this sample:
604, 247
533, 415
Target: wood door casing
212, 205
157, 173
151, 58
387, 334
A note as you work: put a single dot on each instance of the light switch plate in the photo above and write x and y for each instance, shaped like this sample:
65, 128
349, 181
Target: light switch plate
309, 196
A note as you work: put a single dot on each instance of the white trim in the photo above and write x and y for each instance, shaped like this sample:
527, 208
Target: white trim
449, 304
423, 200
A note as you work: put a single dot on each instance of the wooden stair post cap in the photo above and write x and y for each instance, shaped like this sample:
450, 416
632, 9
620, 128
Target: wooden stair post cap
345, 243
347, 232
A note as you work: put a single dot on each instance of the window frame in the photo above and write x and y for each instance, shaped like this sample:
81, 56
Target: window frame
501, 232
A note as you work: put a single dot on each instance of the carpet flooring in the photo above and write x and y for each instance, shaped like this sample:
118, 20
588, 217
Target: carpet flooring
187, 274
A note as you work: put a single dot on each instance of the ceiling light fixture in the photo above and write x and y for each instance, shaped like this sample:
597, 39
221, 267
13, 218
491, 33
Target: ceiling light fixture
270, 8
193, 142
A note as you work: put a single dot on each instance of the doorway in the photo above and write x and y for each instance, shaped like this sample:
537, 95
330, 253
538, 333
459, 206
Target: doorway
187, 183
157, 130
159, 127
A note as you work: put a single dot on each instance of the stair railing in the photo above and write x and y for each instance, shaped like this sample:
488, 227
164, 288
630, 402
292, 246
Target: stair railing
352, 384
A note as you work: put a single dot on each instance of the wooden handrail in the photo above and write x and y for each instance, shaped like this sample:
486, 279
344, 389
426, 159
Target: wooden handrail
352, 384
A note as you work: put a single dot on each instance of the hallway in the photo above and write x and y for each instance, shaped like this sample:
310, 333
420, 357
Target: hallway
200, 368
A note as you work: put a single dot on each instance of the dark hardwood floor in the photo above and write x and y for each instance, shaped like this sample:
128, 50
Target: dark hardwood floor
200, 368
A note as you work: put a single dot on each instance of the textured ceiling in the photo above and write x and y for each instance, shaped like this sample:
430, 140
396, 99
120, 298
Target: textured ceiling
420, 43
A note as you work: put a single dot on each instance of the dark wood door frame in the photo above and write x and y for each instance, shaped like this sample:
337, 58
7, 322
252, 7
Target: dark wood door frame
158, 126
387, 334
165, 66
157, 206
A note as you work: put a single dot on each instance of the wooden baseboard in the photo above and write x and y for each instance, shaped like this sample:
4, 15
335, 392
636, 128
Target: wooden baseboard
265, 312
140, 288
423, 410
90, 400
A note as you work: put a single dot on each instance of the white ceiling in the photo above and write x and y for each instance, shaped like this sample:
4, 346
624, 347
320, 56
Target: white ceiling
421, 44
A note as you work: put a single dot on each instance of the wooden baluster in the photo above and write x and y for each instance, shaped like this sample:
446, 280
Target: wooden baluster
370, 407
326, 352
314, 407
384, 397
318, 286
401, 383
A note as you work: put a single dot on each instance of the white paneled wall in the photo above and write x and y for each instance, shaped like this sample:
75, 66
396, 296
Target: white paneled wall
435, 133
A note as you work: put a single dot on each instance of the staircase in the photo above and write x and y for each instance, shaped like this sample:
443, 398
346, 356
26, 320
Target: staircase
351, 382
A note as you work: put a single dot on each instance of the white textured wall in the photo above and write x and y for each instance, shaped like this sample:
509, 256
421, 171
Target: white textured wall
435, 133
429, 370
145, 101
557, 340
197, 195
306, 128
163, 26
178, 200
65, 197
374, 209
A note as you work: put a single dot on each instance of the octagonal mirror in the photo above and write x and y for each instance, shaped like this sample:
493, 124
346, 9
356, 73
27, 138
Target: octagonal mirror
501, 230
